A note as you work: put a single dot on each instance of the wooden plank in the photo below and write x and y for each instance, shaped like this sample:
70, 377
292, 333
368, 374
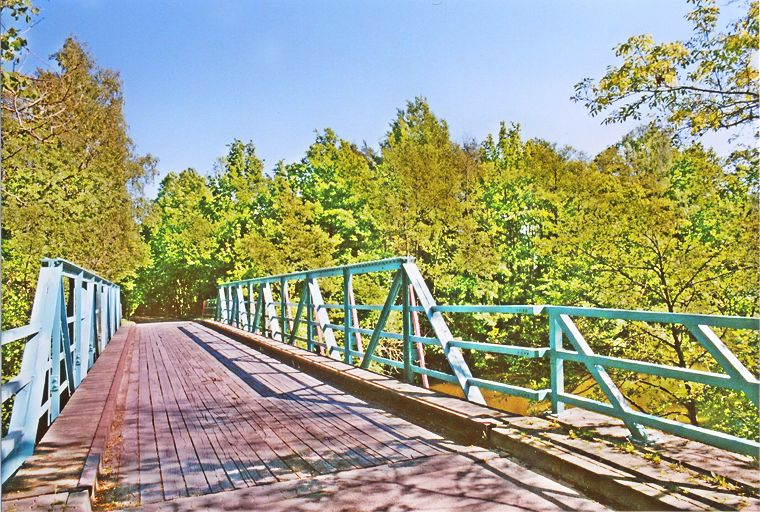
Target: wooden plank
199, 422
217, 425
276, 412
150, 470
173, 482
128, 469
109, 424
310, 462
245, 433
317, 439
176, 402
424, 484
331, 423
370, 433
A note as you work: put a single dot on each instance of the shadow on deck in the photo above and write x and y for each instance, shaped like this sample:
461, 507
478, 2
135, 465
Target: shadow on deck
178, 416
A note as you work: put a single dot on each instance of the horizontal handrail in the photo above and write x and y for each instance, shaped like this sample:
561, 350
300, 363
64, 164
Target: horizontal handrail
731, 322
355, 268
251, 305
11, 335
72, 270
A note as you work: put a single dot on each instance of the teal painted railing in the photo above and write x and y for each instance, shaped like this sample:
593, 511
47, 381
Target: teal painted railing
251, 305
74, 315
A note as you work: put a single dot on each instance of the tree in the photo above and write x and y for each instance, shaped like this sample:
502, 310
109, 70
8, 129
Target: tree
707, 83
183, 247
428, 203
239, 200
289, 237
71, 195
13, 40
336, 177
654, 227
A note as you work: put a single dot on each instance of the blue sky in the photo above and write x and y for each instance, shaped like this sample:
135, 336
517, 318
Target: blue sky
199, 74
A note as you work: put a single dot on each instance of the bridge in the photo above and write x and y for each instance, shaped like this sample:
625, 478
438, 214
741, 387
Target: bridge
291, 395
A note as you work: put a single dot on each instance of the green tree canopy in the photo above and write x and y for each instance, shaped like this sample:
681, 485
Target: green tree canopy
70, 194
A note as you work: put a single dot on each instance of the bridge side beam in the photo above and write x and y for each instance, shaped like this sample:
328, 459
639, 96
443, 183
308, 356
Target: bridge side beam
27, 407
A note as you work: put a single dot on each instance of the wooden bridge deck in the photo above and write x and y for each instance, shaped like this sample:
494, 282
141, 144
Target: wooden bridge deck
202, 422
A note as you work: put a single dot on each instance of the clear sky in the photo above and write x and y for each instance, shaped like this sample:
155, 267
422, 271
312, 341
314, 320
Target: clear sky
199, 74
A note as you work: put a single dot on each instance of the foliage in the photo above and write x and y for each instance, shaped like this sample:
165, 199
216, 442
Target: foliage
182, 247
649, 226
709, 82
69, 195
13, 40
429, 205
649, 223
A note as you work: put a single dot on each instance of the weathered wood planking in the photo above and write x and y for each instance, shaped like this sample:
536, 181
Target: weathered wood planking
205, 414
215, 417
75, 441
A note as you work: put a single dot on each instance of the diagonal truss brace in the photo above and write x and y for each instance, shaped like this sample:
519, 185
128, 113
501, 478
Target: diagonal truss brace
241, 316
299, 312
442, 332
727, 360
389, 302
270, 314
323, 319
603, 379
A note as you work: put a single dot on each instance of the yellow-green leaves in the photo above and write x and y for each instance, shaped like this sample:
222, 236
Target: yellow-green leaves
707, 83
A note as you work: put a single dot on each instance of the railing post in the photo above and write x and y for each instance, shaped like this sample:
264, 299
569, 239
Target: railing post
406, 328
111, 311
235, 314
103, 318
118, 308
347, 316
219, 304
355, 317
251, 306
54, 378
557, 365
283, 309
89, 323
79, 350
66, 343
420, 347
309, 316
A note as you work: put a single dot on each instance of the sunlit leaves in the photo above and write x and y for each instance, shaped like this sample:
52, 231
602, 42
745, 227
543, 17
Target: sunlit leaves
707, 83
68, 192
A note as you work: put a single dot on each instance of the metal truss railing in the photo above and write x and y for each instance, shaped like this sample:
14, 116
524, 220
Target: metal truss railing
251, 305
74, 315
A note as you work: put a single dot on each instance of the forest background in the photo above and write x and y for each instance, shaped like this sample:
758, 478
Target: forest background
657, 221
